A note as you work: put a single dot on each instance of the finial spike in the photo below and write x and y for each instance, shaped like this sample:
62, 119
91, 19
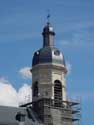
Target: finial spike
48, 17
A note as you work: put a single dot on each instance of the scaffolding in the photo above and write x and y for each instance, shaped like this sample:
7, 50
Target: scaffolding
51, 113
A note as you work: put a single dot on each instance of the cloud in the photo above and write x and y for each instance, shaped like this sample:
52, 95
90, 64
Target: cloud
25, 72
8, 94
69, 67
25, 94
10, 97
79, 39
78, 35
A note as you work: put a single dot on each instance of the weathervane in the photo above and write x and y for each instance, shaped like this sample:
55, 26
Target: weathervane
48, 17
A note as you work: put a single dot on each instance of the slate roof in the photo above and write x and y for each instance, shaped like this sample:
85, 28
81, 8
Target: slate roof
48, 55
8, 116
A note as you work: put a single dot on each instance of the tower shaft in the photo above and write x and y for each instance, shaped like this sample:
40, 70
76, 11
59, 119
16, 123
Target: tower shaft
49, 83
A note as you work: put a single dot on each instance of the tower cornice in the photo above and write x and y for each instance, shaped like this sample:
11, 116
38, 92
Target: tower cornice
51, 66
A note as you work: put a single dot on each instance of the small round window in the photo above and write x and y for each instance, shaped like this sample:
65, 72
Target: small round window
37, 52
57, 52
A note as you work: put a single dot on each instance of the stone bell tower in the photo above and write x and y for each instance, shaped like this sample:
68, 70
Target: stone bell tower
48, 83
48, 69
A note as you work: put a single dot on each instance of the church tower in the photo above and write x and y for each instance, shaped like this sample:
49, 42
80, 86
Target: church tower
49, 83
48, 69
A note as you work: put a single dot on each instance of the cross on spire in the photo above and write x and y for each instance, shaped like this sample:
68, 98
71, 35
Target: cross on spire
48, 17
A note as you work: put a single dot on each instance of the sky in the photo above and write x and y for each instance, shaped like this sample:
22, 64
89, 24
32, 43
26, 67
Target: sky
21, 25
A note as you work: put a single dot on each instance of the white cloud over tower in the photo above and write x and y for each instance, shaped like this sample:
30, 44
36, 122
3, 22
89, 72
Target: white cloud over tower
9, 96
25, 72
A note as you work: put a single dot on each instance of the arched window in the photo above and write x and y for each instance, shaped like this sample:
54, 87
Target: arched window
35, 89
58, 93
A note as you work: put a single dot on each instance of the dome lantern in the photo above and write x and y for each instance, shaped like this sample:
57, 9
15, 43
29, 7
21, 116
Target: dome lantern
48, 35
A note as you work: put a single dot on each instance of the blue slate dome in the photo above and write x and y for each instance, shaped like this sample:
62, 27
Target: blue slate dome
48, 55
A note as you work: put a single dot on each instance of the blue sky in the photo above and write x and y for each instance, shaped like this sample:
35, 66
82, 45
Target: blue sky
21, 24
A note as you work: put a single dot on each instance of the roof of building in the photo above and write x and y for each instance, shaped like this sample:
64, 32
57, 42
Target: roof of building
48, 55
8, 115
